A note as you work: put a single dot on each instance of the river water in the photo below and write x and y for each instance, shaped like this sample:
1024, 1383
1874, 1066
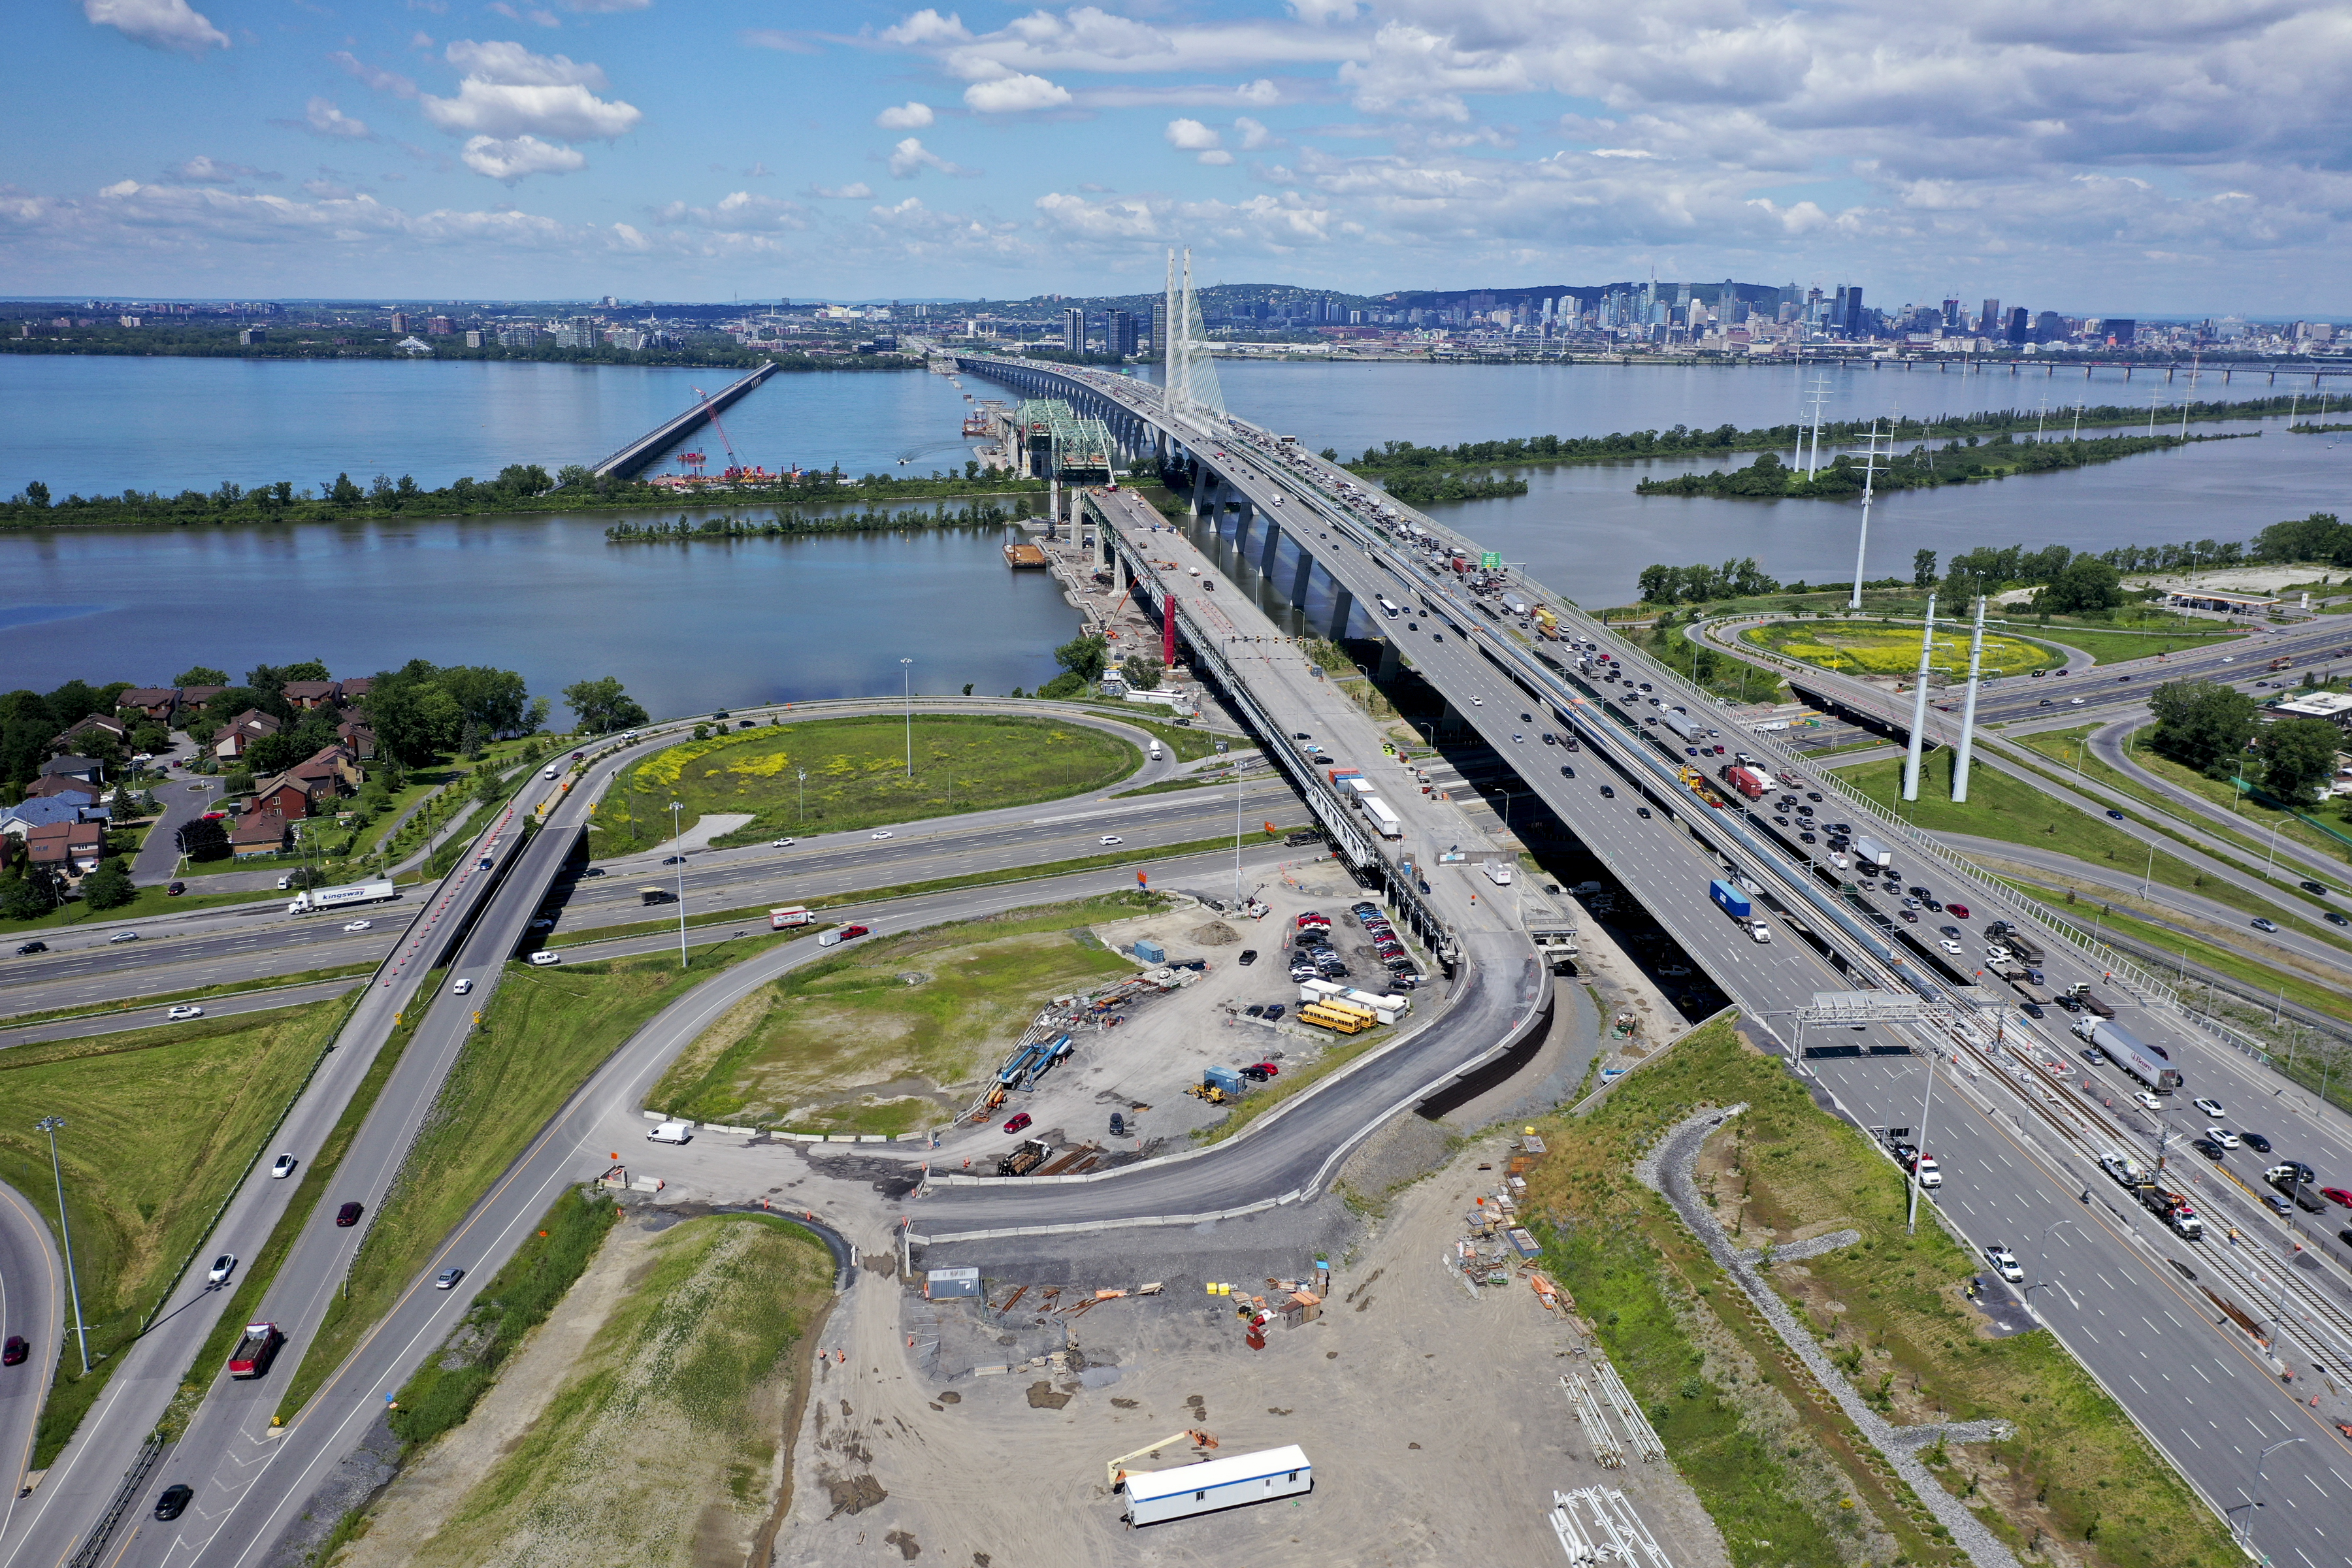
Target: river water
692, 626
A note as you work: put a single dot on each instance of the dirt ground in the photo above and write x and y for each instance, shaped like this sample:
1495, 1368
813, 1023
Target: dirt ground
1435, 1421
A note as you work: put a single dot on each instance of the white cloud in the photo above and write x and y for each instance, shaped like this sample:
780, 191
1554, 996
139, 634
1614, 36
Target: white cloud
927, 26
857, 191
1192, 136
508, 91
1253, 135
740, 213
201, 170
532, 14
1219, 157
392, 82
327, 189
911, 158
157, 24
509, 63
521, 156
321, 117
909, 116
1014, 95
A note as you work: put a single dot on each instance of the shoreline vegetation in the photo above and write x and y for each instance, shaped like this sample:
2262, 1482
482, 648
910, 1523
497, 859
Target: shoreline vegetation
1681, 441
1922, 467
519, 489
795, 524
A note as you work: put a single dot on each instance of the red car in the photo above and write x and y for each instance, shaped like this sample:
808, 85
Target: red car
1268, 1069
1961, 911
1018, 1123
16, 1350
849, 931
2337, 1195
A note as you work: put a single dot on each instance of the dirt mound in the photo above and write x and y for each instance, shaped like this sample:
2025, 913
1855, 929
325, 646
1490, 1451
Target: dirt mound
1216, 934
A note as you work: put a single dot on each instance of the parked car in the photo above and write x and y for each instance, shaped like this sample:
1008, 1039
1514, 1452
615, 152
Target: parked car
1018, 1123
2004, 1263
1248, 956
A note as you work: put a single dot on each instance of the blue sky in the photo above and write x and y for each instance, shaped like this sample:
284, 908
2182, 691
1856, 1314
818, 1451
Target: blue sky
2104, 156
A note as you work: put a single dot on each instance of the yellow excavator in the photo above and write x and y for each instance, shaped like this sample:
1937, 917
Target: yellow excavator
1207, 1092
1117, 1470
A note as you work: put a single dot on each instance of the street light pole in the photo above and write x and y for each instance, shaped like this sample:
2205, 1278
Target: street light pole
1911, 1218
674, 807
2246, 1527
907, 695
50, 1124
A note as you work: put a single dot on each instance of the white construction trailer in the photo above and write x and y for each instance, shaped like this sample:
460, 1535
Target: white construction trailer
1154, 1496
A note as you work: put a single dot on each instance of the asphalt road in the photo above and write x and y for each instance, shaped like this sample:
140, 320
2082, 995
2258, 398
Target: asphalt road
32, 1305
2108, 744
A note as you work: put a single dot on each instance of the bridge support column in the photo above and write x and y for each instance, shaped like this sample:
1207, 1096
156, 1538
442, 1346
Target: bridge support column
1342, 603
1273, 548
1299, 581
1391, 661
1451, 725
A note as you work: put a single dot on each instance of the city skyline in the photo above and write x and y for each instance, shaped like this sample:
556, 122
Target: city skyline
2103, 161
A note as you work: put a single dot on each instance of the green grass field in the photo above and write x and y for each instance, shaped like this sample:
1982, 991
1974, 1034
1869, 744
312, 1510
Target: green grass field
544, 1032
857, 775
195, 994
160, 1126
1867, 647
2076, 1472
691, 1374
152, 904
2121, 647
849, 1045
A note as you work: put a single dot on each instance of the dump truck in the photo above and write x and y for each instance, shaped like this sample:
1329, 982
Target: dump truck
1731, 900
256, 1349
2173, 1209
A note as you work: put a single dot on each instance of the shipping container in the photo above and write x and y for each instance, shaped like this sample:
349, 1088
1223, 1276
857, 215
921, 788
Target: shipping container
1386, 821
1155, 1496
2126, 1050
1746, 783
1729, 899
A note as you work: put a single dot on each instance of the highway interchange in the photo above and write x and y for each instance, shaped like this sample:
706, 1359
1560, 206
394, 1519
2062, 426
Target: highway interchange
2019, 1170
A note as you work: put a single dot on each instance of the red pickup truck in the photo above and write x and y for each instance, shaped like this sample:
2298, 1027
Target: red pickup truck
256, 1350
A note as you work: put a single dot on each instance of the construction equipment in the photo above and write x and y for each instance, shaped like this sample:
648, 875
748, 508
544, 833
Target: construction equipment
1115, 1471
1207, 1092
734, 464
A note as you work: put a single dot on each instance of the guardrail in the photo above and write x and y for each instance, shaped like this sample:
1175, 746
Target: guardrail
94, 1545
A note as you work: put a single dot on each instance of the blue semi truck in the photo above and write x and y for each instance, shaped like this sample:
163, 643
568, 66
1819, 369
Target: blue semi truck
1731, 900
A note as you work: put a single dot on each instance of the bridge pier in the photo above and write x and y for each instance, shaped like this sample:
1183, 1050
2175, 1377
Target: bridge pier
1391, 661
1299, 581
1342, 603
1273, 548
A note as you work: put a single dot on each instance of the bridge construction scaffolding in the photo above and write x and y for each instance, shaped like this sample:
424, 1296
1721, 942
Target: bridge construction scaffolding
1055, 441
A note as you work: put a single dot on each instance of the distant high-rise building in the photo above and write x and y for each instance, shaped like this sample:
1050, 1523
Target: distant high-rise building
2118, 329
1952, 318
1160, 326
1119, 334
400, 321
1074, 330
2020, 324
440, 327
2048, 327
1989, 323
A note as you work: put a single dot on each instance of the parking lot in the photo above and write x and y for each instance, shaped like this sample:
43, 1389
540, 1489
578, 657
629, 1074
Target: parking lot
1161, 1045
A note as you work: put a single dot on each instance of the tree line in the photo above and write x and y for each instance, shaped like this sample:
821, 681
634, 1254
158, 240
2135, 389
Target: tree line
519, 487
1682, 440
2218, 730
1924, 467
788, 524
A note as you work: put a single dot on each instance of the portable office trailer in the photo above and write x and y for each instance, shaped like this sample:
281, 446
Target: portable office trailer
1155, 1496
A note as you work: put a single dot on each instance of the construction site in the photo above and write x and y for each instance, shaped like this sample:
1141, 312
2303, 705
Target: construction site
1443, 1397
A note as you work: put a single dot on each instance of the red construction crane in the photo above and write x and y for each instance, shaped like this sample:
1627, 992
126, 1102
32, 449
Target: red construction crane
734, 464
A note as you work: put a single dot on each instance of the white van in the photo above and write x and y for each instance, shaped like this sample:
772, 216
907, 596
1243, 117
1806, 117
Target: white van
1154, 752
671, 1132
550, 773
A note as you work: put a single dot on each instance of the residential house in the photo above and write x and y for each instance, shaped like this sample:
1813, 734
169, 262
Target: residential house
87, 769
240, 732
44, 811
197, 695
93, 724
334, 769
158, 702
357, 739
310, 694
357, 686
64, 784
285, 797
258, 833
72, 847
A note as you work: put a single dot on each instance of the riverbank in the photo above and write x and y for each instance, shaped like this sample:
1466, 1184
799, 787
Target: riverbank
1923, 468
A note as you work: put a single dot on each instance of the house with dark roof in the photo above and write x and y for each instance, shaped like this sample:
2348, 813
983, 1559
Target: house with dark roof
153, 701
240, 732
310, 694
72, 847
64, 784
90, 769
89, 725
258, 833
357, 739
357, 686
197, 695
